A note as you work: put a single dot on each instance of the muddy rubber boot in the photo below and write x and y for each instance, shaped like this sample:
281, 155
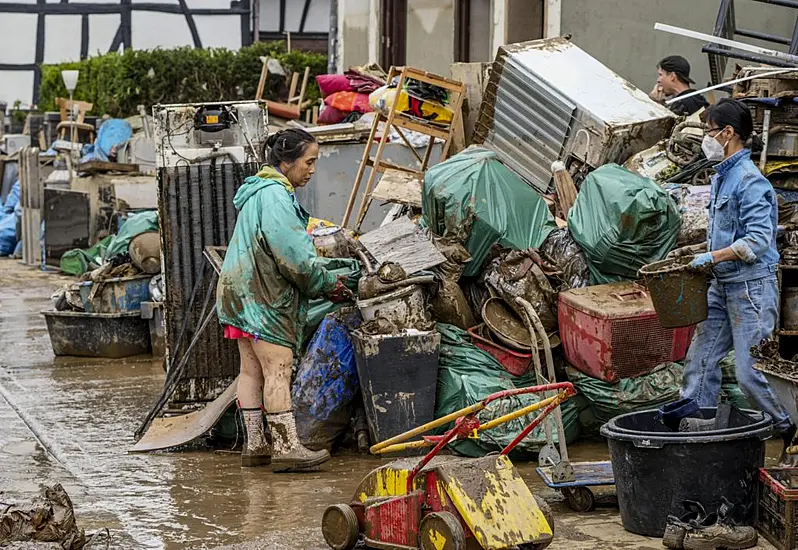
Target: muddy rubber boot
677, 528
289, 454
256, 450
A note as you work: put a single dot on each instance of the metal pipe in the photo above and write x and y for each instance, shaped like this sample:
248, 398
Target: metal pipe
763, 36
533, 317
735, 54
785, 3
732, 82
763, 156
726, 42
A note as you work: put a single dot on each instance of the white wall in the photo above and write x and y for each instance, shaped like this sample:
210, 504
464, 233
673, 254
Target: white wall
62, 36
318, 19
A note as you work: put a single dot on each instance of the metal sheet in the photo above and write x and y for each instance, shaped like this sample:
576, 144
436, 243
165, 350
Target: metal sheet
530, 123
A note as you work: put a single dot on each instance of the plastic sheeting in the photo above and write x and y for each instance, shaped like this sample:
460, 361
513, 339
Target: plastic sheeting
561, 248
476, 200
326, 383
135, 225
112, 133
8, 222
466, 375
660, 386
622, 222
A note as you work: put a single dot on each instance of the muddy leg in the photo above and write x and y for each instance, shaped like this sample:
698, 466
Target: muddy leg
289, 453
256, 451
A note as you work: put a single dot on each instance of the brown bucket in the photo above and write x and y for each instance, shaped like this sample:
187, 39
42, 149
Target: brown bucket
679, 295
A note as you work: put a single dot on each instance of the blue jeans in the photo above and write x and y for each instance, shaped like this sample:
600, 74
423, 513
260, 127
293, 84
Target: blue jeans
740, 316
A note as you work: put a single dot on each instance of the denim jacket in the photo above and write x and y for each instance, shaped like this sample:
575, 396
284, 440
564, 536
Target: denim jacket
743, 214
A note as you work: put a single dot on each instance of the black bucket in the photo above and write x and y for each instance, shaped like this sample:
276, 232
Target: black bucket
656, 469
678, 294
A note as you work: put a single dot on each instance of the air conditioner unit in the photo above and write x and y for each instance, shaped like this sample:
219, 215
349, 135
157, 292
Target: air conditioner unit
188, 134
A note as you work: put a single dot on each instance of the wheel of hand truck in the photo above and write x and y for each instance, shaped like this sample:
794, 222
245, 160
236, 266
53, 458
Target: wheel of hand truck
340, 527
580, 499
441, 531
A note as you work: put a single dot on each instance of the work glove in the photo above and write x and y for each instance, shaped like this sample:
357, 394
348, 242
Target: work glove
689, 250
341, 293
702, 263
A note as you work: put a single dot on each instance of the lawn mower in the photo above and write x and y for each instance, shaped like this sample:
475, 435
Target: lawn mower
449, 502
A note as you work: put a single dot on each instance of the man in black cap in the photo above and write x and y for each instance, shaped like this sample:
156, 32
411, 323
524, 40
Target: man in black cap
673, 80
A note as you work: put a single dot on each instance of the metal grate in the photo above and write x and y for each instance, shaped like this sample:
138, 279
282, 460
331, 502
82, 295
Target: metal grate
195, 205
634, 356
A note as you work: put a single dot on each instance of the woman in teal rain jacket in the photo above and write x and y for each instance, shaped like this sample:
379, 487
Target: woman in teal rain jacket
269, 272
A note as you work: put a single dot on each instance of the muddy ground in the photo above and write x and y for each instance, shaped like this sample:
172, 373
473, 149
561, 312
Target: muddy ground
71, 420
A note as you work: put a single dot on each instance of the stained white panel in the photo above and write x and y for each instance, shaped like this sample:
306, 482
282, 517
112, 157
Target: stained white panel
18, 38
62, 38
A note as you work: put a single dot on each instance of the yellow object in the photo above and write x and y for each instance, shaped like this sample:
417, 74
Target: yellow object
494, 502
775, 167
437, 539
396, 444
382, 99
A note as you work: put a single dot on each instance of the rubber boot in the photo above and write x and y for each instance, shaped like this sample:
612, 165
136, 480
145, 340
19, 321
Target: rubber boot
256, 451
289, 454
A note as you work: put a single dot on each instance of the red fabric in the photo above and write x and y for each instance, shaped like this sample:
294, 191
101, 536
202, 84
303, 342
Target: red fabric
233, 333
349, 101
331, 83
331, 115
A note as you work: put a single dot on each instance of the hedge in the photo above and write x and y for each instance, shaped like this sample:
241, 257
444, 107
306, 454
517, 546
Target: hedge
117, 83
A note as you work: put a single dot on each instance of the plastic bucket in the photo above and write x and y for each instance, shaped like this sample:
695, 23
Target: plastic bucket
678, 294
656, 470
514, 362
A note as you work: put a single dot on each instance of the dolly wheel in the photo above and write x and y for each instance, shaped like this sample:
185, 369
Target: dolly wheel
580, 499
339, 527
441, 531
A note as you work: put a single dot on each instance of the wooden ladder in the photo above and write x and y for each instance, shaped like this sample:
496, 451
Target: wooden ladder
399, 121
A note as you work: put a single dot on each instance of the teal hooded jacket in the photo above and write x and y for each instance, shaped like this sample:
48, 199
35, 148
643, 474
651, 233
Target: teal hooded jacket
271, 267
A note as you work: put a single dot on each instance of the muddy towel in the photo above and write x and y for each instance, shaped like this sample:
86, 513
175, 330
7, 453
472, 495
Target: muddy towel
466, 375
622, 222
476, 200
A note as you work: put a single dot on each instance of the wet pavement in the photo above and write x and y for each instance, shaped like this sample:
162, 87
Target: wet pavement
71, 420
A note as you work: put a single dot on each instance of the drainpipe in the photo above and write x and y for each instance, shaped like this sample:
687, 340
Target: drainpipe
255, 21
340, 58
332, 39
498, 27
553, 18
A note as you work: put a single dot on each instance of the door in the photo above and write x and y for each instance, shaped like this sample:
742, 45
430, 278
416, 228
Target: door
394, 35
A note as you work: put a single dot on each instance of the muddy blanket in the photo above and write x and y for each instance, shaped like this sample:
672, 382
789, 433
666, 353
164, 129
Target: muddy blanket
49, 518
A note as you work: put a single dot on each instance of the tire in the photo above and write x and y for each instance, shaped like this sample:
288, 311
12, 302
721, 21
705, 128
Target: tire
441, 531
580, 499
340, 527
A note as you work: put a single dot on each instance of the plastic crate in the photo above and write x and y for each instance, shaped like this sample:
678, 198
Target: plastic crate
612, 331
778, 506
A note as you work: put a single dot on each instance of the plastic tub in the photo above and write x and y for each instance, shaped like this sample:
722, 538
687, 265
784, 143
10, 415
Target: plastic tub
119, 295
97, 334
656, 470
514, 362
405, 307
679, 295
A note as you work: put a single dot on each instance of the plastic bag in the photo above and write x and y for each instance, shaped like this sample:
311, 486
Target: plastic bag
136, 224
12, 200
622, 222
660, 386
467, 374
561, 248
476, 200
326, 383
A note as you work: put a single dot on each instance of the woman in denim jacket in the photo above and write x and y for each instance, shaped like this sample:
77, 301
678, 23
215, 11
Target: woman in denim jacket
742, 257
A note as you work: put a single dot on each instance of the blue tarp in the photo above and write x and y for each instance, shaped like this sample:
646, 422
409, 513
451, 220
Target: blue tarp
112, 133
326, 383
12, 212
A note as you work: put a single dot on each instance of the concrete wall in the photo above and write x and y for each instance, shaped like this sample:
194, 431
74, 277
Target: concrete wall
620, 33
353, 42
430, 35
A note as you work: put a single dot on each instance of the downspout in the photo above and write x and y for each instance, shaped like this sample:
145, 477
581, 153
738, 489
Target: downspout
553, 18
332, 39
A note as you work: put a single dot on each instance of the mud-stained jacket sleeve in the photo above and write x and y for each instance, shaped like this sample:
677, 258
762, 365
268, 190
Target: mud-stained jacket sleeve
755, 217
292, 247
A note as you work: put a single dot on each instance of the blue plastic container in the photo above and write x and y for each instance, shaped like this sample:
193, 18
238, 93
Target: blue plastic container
121, 295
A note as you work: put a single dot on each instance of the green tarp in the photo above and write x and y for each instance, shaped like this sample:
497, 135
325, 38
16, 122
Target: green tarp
622, 222
476, 200
651, 391
77, 262
466, 375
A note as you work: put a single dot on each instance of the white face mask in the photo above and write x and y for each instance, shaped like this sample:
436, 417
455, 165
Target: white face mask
713, 150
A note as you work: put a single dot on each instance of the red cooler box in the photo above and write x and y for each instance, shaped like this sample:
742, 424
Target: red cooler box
612, 332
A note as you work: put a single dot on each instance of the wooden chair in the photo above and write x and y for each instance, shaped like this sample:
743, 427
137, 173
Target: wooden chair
65, 126
292, 109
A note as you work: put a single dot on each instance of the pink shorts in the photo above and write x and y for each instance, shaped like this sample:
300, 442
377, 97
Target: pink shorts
233, 333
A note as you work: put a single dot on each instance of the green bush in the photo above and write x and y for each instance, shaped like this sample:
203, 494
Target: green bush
117, 83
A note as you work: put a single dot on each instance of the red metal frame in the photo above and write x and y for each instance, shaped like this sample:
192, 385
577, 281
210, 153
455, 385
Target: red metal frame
468, 424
